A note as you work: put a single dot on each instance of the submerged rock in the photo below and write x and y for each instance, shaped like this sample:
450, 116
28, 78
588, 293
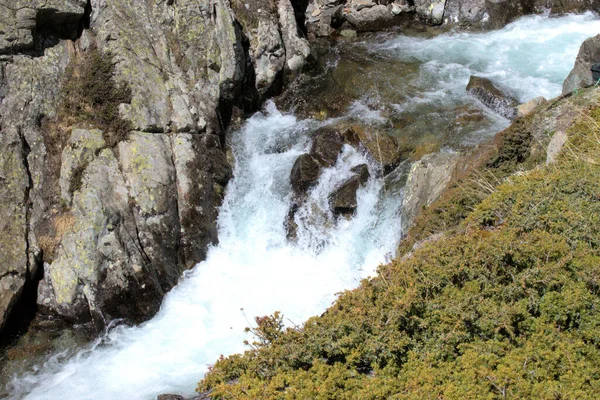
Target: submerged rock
581, 75
492, 97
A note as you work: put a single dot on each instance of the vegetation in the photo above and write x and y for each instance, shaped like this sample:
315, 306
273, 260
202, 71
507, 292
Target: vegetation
89, 98
501, 303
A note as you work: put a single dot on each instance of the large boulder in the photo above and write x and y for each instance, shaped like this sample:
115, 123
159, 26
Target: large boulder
492, 97
581, 75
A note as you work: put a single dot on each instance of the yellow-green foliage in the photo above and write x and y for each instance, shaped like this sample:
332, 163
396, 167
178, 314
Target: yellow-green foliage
505, 304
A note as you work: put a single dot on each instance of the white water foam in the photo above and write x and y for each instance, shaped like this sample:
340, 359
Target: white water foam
531, 56
254, 267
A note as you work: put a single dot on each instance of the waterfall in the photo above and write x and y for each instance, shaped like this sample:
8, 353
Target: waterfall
255, 270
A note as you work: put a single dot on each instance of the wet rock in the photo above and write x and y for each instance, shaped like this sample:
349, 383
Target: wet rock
326, 147
581, 75
170, 397
558, 7
529, 107
290, 225
343, 199
492, 97
362, 171
379, 145
427, 179
305, 173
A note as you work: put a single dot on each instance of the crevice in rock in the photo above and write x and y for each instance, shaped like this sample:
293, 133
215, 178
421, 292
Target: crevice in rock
25, 308
300, 7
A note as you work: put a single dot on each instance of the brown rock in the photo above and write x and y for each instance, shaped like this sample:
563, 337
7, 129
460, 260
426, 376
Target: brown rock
362, 171
305, 173
326, 147
491, 96
343, 199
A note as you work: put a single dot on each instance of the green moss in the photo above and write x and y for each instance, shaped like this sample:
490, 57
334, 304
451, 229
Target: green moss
502, 305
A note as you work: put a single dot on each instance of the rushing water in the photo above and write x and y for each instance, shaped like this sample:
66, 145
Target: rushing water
254, 267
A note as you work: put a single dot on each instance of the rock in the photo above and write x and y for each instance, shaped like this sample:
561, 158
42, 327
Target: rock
426, 181
348, 33
170, 397
381, 147
370, 19
485, 91
305, 173
559, 7
431, 11
581, 75
30, 88
487, 14
22, 22
555, 146
326, 147
529, 107
290, 225
297, 49
323, 20
79, 152
343, 199
362, 171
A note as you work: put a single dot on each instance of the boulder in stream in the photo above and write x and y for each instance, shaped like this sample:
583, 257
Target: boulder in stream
343, 199
305, 173
492, 97
327, 146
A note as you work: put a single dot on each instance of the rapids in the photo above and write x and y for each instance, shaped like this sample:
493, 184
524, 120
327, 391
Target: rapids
254, 270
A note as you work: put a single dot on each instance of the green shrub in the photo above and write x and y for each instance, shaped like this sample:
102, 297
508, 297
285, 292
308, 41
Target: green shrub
503, 304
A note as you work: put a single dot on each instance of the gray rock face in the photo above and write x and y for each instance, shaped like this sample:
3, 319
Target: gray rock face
23, 22
431, 11
426, 181
114, 225
485, 91
581, 75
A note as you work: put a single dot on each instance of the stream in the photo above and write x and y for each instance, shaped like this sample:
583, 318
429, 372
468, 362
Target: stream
413, 89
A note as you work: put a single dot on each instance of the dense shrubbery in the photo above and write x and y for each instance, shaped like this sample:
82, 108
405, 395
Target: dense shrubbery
503, 304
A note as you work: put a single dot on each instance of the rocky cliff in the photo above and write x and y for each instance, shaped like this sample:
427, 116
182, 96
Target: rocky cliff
112, 128
113, 122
